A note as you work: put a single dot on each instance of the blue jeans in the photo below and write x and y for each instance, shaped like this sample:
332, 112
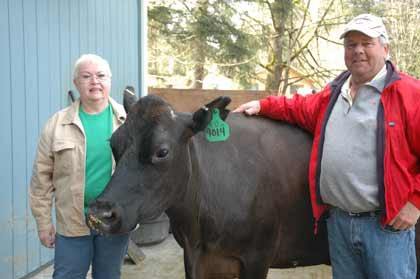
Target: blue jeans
360, 247
74, 255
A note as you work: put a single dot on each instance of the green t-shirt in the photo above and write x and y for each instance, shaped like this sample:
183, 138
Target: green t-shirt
98, 130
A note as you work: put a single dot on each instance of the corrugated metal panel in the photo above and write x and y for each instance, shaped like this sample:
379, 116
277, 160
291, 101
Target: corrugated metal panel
6, 212
39, 42
30, 256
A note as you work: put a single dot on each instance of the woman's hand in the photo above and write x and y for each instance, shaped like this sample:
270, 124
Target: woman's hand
47, 237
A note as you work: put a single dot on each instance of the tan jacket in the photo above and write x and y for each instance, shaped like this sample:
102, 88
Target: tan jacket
59, 171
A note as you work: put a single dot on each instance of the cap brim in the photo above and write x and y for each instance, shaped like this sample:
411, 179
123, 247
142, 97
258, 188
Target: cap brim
369, 33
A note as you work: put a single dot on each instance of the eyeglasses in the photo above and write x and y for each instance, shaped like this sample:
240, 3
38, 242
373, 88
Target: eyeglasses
353, 45
86, 78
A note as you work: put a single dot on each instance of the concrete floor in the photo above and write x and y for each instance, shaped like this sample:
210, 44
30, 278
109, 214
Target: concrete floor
165, 261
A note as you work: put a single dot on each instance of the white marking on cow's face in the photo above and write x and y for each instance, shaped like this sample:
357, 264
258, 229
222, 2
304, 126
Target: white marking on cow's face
128, 91
173, 115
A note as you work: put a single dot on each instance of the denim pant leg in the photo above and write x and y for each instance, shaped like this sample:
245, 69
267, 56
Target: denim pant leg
109, 252
390, 253
72, 257
361, 248
346, 261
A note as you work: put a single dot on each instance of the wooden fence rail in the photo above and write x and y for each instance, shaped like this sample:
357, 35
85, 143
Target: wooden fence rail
189, 100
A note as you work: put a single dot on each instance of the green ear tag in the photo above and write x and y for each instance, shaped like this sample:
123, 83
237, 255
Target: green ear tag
217, 130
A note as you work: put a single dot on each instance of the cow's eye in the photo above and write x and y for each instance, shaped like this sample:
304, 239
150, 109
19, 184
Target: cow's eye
162, 153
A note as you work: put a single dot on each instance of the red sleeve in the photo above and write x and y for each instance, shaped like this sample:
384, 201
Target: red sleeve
303, 111
415, 196
413, 131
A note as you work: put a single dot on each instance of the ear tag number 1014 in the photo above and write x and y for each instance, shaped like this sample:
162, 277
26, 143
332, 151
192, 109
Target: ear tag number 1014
217, 130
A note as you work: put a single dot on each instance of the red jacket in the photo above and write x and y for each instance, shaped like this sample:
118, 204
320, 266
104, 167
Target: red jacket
398, 137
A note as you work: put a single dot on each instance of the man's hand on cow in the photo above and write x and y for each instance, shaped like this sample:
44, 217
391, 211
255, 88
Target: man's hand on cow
406, 218
47, 237
250, 108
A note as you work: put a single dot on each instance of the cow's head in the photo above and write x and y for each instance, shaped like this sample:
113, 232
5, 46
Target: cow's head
153, 162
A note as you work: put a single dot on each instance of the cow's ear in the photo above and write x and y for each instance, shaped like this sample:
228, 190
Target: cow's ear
202, 117
129, 98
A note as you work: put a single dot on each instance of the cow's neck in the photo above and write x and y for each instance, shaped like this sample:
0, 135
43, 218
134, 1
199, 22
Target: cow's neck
192, 204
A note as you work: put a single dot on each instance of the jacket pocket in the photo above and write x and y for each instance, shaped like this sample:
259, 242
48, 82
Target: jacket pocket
64, 157
60, 145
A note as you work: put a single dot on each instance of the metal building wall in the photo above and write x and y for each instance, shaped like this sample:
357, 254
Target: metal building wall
39, 42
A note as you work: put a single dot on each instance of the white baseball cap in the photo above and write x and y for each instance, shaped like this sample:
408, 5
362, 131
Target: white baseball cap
367, 24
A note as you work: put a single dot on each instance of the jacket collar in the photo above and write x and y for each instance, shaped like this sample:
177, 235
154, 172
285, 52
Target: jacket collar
392, 75
72, 114
118, 110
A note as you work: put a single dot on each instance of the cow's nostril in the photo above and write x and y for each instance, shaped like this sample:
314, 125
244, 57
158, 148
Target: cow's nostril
104, 216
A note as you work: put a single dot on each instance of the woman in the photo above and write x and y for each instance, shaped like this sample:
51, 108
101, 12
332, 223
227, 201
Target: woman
72, 167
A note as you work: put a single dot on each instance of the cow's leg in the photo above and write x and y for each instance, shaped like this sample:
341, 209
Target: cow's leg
255, 266
193, 264
190, 261
204, 265
254, 270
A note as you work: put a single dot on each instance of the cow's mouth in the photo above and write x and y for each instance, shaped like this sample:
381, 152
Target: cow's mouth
97, 224
104, 217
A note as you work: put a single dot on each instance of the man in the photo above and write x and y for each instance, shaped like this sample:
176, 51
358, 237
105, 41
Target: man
72, 167
365, 160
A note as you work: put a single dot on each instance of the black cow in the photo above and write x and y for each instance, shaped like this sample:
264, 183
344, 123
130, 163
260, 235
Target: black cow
237, 206
243, 201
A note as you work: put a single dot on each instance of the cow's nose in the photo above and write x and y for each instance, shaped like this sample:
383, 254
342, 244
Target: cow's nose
104, 216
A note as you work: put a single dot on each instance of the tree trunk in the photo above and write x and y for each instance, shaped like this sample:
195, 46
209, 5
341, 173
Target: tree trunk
280, 11
200, 45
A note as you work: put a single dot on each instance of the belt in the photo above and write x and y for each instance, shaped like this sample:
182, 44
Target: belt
364, 214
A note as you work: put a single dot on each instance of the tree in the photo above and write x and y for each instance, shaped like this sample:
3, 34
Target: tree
402, 18
293, 43
201, 33
265, 40
241, 38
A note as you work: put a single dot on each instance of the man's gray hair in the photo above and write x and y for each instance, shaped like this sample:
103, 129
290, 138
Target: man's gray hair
383, 40
92, 58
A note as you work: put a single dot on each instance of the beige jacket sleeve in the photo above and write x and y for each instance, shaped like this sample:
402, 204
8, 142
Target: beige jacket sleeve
41, 188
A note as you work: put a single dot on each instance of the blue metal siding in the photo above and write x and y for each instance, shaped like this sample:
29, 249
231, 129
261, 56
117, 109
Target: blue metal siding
6, 231
18, 132
29, 256
39, 42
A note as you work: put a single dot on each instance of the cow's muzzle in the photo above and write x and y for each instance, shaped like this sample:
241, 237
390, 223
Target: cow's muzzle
104, 217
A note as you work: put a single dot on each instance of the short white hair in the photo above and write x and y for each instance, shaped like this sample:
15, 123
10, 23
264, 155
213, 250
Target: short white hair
92, 58
383, 40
